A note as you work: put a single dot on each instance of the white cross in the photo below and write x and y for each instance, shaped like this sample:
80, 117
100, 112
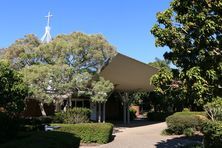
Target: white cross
48, 17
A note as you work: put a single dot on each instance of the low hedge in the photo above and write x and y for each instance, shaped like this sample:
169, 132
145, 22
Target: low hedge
89, 132
212, 134
52, 139
9, 127
157, 116
179, 122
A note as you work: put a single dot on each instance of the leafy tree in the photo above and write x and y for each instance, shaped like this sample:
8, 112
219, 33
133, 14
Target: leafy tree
214, 109
101, 90
13, 90
160, 64
192, 30
168, 92
62, 68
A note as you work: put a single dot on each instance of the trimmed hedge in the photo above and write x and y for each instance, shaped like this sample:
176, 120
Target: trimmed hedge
157, 116
179, 122
212, 134
89, 132
52, 139
73, 115
8, 127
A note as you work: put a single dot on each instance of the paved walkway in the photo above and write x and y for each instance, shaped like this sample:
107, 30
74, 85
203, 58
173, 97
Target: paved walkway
146, 135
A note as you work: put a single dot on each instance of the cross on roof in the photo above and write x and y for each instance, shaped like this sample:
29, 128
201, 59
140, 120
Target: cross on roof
48, 17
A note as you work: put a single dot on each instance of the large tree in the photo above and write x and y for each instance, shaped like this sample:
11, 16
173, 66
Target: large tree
62, 68
192, 31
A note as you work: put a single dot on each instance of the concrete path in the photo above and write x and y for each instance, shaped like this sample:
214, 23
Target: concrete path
146, 135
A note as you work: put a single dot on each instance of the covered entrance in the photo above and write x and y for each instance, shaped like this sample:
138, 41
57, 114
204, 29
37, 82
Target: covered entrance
128, 75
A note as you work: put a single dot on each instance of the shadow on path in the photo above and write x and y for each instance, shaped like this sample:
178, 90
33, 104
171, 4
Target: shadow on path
179, 142
134, 123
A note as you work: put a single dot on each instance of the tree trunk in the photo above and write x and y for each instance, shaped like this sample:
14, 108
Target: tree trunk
57, 106
104, 112
41, 105
99, 115
70, 102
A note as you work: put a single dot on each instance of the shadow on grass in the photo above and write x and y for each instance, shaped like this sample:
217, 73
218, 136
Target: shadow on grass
179, 142
52, 139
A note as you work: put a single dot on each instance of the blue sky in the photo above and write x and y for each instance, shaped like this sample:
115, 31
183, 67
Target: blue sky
126, 24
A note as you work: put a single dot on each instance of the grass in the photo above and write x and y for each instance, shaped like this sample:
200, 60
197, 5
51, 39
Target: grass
52, 139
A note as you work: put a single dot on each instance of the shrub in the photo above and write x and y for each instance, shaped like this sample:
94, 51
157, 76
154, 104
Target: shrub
167, 132
13, 90
132, 114
183, 120
157, 116
72, 116
52, 139
212, 134
89, 132
188, 132
214, 109
186, 110
58, 118
34, 123
8, 127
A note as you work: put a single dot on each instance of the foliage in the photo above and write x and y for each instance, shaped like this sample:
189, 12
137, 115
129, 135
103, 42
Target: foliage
166, 132
158, 116
214, 109
189, 132
8, 127
192, 31
62, 68
137, 98
101, 90
180, 121
53, 139
89, 132
73, 116
168, 95
160, 64
13, 90
186, 110
34, 123
132, 114
212, 134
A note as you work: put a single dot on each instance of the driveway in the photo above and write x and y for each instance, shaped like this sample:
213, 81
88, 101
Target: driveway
145, 135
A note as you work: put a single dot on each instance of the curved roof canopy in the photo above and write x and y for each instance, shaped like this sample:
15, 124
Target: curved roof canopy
128, 74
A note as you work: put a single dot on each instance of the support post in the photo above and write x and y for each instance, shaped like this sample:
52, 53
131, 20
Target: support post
128, 112
124, 111
104, 112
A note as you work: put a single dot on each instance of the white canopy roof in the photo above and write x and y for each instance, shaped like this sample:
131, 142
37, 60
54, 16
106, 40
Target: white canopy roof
128, 74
